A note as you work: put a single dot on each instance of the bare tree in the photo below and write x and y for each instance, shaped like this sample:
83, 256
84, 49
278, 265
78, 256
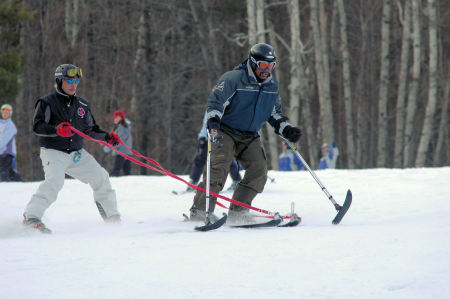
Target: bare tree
410, 125
403, 79
347, 85
443, 127
322, 69
384, 83
427, 129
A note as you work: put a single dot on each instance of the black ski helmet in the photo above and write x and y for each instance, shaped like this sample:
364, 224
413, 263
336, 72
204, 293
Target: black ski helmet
260, 52
67, 71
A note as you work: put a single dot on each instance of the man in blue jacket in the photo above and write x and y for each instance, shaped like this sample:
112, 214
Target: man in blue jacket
242, 101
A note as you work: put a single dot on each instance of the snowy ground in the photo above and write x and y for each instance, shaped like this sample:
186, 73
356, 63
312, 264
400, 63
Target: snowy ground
393, 243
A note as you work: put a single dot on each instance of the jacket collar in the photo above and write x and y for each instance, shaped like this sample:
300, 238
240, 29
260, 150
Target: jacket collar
68, 98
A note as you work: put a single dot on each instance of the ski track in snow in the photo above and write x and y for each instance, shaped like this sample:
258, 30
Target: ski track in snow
394, 241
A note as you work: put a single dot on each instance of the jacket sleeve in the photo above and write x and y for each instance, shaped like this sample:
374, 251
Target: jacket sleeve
93, 129
220, 97
41, 119
277, 119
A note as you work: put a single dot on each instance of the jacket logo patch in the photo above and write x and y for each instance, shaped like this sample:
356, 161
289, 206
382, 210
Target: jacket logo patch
220, 86
81, 112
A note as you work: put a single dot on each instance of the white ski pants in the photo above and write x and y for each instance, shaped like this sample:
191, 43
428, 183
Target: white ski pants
80, 165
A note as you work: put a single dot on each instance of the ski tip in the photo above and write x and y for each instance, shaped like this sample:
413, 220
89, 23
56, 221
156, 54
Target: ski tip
212, 226
294, 220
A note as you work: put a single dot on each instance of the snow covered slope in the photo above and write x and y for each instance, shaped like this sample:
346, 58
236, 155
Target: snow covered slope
393, 243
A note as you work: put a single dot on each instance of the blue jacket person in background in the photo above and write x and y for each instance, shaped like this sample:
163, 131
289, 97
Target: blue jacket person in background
288, 160
8, 132
330, 153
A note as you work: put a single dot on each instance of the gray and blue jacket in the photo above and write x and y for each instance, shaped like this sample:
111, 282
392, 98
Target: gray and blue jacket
242, 105
8, 133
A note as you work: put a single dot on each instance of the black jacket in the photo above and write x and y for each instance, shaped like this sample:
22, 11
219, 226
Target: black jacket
57, 107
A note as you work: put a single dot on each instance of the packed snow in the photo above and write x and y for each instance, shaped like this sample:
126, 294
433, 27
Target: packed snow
394, 241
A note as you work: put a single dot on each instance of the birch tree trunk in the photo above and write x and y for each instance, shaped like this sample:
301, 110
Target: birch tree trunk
251, 21
295, 62
401, 94
348, 102
71, 17
212, 41
427, 130
383, 89
260, 23
325, 119
410, 126
443, 127
139, 72
203, 43
298, 86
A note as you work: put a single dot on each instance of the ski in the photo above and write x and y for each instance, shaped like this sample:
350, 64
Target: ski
343, 210
182, 192
271, 223
294, 220
211, 226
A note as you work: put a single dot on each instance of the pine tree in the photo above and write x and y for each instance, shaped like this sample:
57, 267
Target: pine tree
12, 17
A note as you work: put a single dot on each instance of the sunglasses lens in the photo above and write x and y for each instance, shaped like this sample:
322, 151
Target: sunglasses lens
71, 81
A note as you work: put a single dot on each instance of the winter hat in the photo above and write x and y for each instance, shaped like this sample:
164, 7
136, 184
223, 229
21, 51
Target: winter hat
119, 113
7, 107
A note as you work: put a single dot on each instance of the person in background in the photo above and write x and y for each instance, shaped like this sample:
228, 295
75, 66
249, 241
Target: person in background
8, 132
242, 101
198, 164
122, 129
62, 151
288, 160
330, 153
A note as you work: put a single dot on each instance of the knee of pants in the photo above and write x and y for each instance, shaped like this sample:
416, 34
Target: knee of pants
255, 178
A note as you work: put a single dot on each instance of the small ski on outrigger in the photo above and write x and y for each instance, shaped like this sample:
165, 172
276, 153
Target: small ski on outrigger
294, 220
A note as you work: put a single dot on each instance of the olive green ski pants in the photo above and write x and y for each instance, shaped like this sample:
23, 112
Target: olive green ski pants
250, 154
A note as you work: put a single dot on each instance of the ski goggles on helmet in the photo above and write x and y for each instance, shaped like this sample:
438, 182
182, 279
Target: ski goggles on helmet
74, 72
264, 65
72, 81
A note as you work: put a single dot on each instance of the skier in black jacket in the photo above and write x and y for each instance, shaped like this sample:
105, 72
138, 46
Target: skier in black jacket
62, 151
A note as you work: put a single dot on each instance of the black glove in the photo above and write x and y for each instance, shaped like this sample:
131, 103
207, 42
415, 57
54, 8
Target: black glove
112, 139
202, 142
292, 134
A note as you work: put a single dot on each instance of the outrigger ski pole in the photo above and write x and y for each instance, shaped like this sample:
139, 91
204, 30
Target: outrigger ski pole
348, 198
208, 225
